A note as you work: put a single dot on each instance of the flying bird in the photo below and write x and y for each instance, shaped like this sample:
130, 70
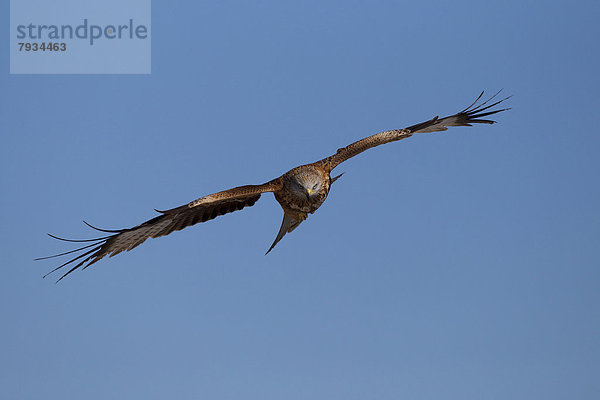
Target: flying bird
300, 191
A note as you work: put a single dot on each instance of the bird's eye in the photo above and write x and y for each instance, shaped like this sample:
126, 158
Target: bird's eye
315, 186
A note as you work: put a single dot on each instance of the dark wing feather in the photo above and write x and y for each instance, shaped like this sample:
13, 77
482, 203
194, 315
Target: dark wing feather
200, 210
470, 115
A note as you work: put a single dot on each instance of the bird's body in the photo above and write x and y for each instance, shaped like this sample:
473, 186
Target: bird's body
300, 191
304, 188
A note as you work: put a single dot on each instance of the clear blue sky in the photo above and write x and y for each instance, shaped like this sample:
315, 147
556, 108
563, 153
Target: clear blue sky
461, 265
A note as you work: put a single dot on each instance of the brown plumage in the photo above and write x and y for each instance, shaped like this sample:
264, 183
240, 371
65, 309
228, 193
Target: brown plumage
300, 192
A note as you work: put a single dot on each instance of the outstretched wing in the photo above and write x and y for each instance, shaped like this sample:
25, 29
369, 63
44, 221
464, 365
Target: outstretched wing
200, 210
466, 117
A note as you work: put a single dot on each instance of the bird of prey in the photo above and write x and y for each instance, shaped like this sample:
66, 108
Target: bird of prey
300, 191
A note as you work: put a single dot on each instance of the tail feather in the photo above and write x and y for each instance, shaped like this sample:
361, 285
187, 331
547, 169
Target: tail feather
289, 223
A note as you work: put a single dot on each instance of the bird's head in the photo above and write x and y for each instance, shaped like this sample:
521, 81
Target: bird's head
306, 185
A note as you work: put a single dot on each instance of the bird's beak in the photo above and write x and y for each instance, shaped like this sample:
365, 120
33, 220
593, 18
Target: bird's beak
309, 193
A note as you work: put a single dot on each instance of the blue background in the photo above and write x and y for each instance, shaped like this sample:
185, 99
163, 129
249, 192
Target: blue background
457, 265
